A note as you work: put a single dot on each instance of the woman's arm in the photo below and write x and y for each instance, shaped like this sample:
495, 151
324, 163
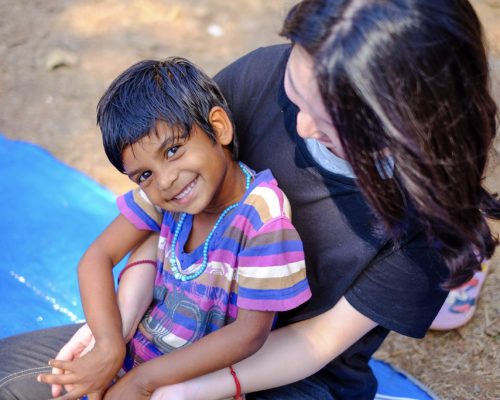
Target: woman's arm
290, 354
219, 349
135, 289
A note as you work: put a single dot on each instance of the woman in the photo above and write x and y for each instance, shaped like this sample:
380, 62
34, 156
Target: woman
398, 89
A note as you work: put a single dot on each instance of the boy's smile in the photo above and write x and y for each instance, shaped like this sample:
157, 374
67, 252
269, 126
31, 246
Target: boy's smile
178, 174
186, 191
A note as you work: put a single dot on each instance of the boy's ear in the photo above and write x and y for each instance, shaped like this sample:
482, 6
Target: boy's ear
221, 125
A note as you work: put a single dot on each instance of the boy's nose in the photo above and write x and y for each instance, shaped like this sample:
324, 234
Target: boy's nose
166, 179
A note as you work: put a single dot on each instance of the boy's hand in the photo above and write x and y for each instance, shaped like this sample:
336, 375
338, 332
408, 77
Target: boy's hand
91, 373
129, 386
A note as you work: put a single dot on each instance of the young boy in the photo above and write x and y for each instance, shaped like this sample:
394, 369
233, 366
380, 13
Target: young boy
228, 255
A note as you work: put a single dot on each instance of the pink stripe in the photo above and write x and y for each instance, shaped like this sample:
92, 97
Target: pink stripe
271, 260
275, 305
165, 231
206, 304
232, 311
130, 215
221, 255
242, 223
181, 331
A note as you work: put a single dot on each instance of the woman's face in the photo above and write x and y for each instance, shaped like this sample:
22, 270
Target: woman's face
301, 87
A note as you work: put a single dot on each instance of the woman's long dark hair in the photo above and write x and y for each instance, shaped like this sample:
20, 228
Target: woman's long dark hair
409, 78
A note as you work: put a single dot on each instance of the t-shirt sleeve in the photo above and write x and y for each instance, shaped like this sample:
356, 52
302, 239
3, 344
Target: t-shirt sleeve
138, 209
402, 291
271, 267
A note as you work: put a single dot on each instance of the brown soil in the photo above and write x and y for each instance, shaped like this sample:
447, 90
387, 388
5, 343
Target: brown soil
58, 56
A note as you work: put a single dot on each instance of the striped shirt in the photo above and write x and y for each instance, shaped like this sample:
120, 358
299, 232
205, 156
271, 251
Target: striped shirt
255, 262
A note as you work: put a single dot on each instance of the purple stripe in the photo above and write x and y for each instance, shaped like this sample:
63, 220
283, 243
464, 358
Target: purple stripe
130, 215
271, 294
275, 305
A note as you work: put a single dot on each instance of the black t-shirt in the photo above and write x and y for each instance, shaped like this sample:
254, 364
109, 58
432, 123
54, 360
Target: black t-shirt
396, 285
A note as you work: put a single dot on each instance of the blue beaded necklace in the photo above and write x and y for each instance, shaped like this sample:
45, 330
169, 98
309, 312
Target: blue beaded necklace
178, 274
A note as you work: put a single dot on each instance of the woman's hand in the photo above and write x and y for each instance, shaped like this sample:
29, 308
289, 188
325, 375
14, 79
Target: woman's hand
80, 344
91, 373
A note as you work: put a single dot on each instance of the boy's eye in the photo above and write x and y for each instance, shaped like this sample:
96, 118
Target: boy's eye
171, 151
143, 177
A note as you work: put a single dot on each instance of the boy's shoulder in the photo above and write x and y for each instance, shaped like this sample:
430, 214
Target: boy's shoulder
266, 197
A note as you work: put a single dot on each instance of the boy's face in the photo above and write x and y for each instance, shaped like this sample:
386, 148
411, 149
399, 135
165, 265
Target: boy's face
177, 174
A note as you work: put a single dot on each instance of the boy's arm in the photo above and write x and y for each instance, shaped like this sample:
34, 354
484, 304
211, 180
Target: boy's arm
95, 370
219, 349
135, 291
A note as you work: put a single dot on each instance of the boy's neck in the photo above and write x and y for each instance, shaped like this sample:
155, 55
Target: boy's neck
235, 183
230, 191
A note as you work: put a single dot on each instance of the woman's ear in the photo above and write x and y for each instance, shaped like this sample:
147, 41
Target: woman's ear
221, 125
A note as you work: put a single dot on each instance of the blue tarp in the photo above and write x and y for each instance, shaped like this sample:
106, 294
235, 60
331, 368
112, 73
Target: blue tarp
49, 214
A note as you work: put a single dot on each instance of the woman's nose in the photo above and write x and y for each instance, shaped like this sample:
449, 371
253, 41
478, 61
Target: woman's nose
306, 127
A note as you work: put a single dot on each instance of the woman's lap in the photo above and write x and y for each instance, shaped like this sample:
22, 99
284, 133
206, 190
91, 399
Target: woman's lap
24, 356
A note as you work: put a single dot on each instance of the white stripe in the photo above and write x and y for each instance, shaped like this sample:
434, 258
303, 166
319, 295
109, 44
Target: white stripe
270, 198
213, 268
145, 197
221, 268
275, 271
173, 340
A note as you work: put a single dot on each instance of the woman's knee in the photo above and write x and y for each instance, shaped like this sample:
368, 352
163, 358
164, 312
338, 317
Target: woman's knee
25, 356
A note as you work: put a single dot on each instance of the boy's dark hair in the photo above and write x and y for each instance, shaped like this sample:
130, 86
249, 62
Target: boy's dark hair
173, 90
411, 77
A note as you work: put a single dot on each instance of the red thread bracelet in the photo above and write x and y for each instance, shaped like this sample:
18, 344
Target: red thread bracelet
237, 396
133, 264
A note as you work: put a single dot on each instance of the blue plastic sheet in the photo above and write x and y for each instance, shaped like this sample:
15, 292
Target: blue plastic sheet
50, 213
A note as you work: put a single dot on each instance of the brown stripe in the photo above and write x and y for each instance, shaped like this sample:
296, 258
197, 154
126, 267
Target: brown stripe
261, 206
272, 283
237, 235
285, 234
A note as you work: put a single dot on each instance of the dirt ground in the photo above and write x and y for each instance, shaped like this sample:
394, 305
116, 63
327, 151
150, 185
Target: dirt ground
58, 56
